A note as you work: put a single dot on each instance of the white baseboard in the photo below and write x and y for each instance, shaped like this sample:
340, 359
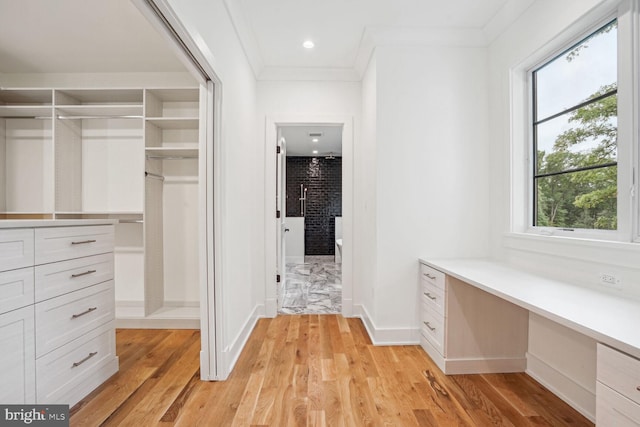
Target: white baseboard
347, 307
232, 352
270, 308
386, 336
574, 394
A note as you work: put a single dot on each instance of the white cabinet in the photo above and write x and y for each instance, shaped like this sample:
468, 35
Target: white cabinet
57, 315
617, 389
466, 330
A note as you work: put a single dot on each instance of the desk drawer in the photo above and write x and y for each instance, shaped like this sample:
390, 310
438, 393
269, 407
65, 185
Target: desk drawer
71, 371
62, 319
432, 276
620, 372
16, 289
433, 328
433, 297
62, 243
613, 409
63, 277
16, 249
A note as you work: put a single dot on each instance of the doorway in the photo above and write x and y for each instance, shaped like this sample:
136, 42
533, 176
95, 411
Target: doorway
309, 250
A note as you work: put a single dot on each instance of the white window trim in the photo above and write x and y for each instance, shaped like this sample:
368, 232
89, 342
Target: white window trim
626, 11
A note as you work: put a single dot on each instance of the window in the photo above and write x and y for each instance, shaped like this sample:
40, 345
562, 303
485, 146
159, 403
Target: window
575, 135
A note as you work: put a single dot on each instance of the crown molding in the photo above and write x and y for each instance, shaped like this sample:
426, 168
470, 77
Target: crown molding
309, 74
246, 35
503, 19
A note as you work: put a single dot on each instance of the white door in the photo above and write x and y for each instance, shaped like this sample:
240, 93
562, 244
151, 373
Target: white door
281, 226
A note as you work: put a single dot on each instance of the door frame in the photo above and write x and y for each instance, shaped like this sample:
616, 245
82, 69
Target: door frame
272, 123
198, 59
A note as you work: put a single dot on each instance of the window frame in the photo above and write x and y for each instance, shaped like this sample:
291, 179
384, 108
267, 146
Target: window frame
628, 159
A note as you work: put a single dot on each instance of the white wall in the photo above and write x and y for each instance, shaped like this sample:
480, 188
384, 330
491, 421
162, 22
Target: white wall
210, 26
365, 249
431, 173
553, 361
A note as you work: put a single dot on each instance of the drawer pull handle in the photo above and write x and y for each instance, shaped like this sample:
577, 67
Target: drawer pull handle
76, 364
430, 276
73, 276
89, 310
429, 326
82, 242
431, 297
638, 388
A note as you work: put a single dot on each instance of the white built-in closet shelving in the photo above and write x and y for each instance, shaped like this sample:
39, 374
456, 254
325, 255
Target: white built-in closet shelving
126, 154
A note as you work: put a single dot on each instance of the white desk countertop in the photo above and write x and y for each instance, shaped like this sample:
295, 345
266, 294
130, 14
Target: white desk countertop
31, 223
609, 319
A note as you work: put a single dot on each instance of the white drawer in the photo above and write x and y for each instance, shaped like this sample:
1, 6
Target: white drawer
16, 289
69, 373
619, 371
62, 319
52, 280
432, 275
62, 243
17, 360
433, 328
615, 410
433, 296
16, 249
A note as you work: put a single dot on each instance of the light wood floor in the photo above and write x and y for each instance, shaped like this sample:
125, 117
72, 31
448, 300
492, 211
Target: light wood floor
315, 370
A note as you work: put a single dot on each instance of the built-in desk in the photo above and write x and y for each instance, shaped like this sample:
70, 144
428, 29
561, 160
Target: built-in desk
475, 320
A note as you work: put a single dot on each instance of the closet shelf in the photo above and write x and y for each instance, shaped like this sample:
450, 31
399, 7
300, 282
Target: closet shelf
25, 111
106, 111
158, 152
174, 122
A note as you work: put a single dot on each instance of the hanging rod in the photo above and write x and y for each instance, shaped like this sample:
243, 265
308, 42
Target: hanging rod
105, 116
154, 175
27, 117
130, 221
151, 157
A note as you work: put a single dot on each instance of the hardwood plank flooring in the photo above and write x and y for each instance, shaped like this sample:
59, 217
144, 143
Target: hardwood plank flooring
308, 370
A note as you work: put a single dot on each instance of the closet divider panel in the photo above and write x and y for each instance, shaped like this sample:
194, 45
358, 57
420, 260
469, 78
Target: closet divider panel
3, 167
68, 165
153, 240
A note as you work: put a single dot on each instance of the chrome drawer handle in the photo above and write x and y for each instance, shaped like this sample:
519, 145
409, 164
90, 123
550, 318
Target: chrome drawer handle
76, 364
429, 326
431, 297
430, 276
75, 316
82, 242
638, 388
73, 276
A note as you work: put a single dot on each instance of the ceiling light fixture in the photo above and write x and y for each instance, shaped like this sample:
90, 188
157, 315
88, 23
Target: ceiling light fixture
308, 44
315, 140
315, 151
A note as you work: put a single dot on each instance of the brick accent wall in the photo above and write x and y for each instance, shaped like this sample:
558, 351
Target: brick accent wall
323, 180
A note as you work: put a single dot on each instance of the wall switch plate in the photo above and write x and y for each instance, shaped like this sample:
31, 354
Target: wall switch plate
610, 280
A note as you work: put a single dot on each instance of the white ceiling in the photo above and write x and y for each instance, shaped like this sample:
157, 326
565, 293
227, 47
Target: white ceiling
81, 36
299, 143
58, 36
345, 31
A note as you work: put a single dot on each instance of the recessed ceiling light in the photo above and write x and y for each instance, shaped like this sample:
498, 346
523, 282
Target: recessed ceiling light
315, 151
314, 140
308, 44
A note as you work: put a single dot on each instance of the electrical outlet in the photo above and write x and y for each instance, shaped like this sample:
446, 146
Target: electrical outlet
610, 280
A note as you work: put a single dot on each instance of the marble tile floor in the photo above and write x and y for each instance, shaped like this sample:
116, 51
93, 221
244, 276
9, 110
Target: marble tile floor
314, 287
